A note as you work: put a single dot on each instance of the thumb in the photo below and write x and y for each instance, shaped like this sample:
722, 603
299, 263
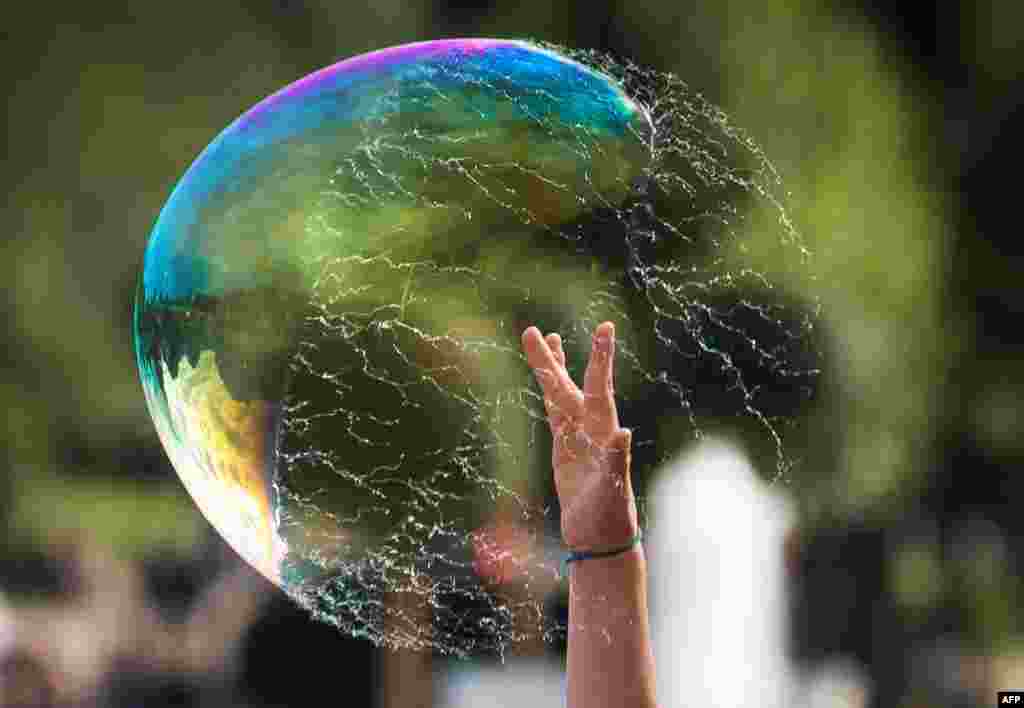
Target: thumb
622, 446
625, 439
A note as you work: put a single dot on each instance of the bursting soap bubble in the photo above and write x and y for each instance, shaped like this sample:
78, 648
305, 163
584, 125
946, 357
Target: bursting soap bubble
328, 319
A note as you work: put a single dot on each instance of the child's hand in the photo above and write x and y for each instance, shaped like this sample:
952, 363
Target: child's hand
591, 453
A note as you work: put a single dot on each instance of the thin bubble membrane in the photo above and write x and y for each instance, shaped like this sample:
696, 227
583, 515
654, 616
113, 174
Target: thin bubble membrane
328, 319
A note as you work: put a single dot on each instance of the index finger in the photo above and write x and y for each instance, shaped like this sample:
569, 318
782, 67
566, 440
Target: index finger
559, 390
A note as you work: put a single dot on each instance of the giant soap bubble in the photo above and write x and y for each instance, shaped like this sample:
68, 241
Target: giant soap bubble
328, 319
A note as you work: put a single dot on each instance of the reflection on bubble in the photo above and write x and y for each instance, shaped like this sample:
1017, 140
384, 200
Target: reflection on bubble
327, 325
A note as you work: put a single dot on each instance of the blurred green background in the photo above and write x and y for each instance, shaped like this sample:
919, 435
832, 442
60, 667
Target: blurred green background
895, 131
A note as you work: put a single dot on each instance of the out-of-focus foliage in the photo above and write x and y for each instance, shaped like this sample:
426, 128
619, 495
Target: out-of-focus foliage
849, 134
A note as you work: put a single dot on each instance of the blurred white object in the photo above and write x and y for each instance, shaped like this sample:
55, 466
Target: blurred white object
837, 684
719, 610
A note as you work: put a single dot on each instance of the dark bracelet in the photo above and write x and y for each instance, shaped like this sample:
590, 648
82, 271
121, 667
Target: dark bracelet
574, 556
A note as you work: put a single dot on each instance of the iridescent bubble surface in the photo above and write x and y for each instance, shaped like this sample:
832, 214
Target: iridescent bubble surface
327, 324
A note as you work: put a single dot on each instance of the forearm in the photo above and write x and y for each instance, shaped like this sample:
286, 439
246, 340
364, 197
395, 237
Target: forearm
610, 662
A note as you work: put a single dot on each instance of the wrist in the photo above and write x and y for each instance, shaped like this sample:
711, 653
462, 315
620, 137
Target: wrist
593, 554
613, 543
606, 570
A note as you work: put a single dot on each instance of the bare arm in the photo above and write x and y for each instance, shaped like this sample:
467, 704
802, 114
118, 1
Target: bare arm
610, 662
